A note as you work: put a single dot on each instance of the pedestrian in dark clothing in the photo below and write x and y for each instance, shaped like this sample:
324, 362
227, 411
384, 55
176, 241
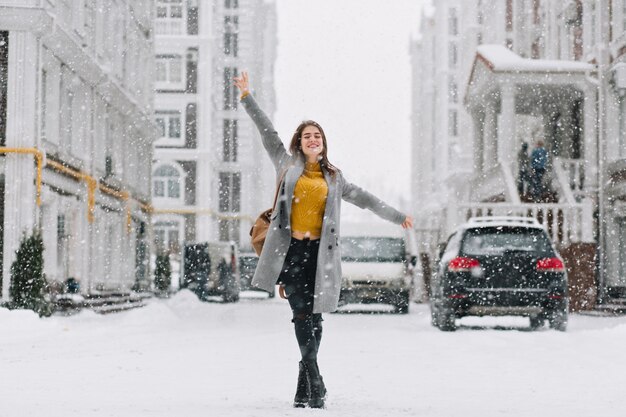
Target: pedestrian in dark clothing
301, 250
523, 166
538, 163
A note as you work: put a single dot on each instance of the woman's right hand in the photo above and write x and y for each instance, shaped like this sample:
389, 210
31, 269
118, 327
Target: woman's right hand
242, 83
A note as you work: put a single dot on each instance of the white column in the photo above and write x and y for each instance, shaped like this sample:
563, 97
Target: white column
20, 210
489, 136
590, 151
506, 127
478, 144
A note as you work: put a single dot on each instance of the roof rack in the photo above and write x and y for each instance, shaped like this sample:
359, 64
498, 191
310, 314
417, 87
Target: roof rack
489, 220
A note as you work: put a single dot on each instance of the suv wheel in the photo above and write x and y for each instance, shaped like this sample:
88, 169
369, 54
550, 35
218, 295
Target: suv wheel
445, 319
231, 297
402, 303
536, 322
558, 320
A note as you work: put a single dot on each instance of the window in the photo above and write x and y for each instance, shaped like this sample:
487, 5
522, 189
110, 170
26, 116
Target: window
229, 192
169, 68
622, 127
44, 110
169, 124
231, 4
452, 90
231, 29
166, 182
621, 226
68, 120
509, 15
452, 55
229, 229
169, 17
536, 15
453, 129
167, 236
230, 142
192, 71
453, 22
230, 91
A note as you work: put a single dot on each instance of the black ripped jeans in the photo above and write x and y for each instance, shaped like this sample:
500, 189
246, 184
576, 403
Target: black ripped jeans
298, 279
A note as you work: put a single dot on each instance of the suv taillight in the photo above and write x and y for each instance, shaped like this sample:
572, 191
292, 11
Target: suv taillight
462, 264
550, 265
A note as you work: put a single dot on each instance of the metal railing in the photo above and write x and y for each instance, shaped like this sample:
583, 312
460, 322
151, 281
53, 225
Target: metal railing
565, 223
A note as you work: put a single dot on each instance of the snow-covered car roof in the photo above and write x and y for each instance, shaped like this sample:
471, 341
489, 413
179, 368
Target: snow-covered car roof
510, 221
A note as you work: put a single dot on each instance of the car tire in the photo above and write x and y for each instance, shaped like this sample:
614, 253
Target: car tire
402, 304
558, 320
271, 294
231, 297
446, 319
536, 322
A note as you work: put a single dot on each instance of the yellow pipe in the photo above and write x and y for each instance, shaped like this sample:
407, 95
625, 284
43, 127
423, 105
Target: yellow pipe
202, 211
38, 156
92, 184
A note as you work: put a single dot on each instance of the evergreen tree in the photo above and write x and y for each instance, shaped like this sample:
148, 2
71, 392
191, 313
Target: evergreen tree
27, 278
162, 273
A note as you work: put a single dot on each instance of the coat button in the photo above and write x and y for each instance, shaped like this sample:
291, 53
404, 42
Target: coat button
330, 247
332, 230
280, 226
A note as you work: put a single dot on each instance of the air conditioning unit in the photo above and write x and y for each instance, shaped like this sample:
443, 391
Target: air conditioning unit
619, 76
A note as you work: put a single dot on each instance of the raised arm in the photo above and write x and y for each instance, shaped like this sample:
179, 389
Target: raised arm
365, 200
272, 143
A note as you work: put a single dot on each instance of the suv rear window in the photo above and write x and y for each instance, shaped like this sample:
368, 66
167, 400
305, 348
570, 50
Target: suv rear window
372, 249
498, 240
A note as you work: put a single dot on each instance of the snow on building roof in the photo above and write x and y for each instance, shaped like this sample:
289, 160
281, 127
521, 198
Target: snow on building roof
501, 59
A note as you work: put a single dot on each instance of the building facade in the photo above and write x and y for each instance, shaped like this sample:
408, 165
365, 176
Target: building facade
76, 137
531, 70
210, 178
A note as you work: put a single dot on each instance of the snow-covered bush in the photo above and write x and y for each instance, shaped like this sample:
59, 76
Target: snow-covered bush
28, 282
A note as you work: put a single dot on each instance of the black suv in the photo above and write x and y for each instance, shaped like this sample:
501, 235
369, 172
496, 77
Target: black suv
500, 266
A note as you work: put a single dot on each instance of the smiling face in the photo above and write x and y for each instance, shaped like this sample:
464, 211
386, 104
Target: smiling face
311, 143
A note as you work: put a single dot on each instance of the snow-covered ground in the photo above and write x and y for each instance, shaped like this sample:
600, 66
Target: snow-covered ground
180, 357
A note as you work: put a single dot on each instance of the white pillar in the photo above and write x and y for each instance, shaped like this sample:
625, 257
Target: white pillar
489, 136
506, 127
590, 151
20, 209
478, 144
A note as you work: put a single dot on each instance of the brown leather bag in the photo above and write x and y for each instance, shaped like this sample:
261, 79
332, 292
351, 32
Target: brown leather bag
259, 229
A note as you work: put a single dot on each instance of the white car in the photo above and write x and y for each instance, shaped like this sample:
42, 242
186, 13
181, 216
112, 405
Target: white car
377, 263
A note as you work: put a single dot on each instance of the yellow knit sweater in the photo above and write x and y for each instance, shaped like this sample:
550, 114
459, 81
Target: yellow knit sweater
309, 201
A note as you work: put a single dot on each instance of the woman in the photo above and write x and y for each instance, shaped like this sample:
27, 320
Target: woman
301, 250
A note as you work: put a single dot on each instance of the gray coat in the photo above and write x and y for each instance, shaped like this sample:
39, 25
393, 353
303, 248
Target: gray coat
328, 276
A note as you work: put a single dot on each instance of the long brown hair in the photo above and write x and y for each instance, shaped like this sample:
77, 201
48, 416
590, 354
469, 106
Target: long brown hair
295, 147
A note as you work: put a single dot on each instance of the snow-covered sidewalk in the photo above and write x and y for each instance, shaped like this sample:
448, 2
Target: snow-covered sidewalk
181, 357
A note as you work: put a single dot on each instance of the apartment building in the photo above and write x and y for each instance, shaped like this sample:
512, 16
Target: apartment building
76, 136
210, 176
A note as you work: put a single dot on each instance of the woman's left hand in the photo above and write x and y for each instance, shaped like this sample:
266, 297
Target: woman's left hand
408, 222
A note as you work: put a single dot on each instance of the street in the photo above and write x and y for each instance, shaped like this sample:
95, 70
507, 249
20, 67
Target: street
181, 357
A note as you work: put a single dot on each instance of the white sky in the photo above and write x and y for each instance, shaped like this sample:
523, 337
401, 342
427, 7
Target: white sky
346, 65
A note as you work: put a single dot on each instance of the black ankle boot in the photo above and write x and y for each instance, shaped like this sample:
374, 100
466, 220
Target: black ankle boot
316, 385
301, 398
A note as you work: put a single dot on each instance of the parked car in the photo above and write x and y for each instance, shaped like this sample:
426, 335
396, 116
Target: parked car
500, 266
376, 265
247, 266
211, 269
